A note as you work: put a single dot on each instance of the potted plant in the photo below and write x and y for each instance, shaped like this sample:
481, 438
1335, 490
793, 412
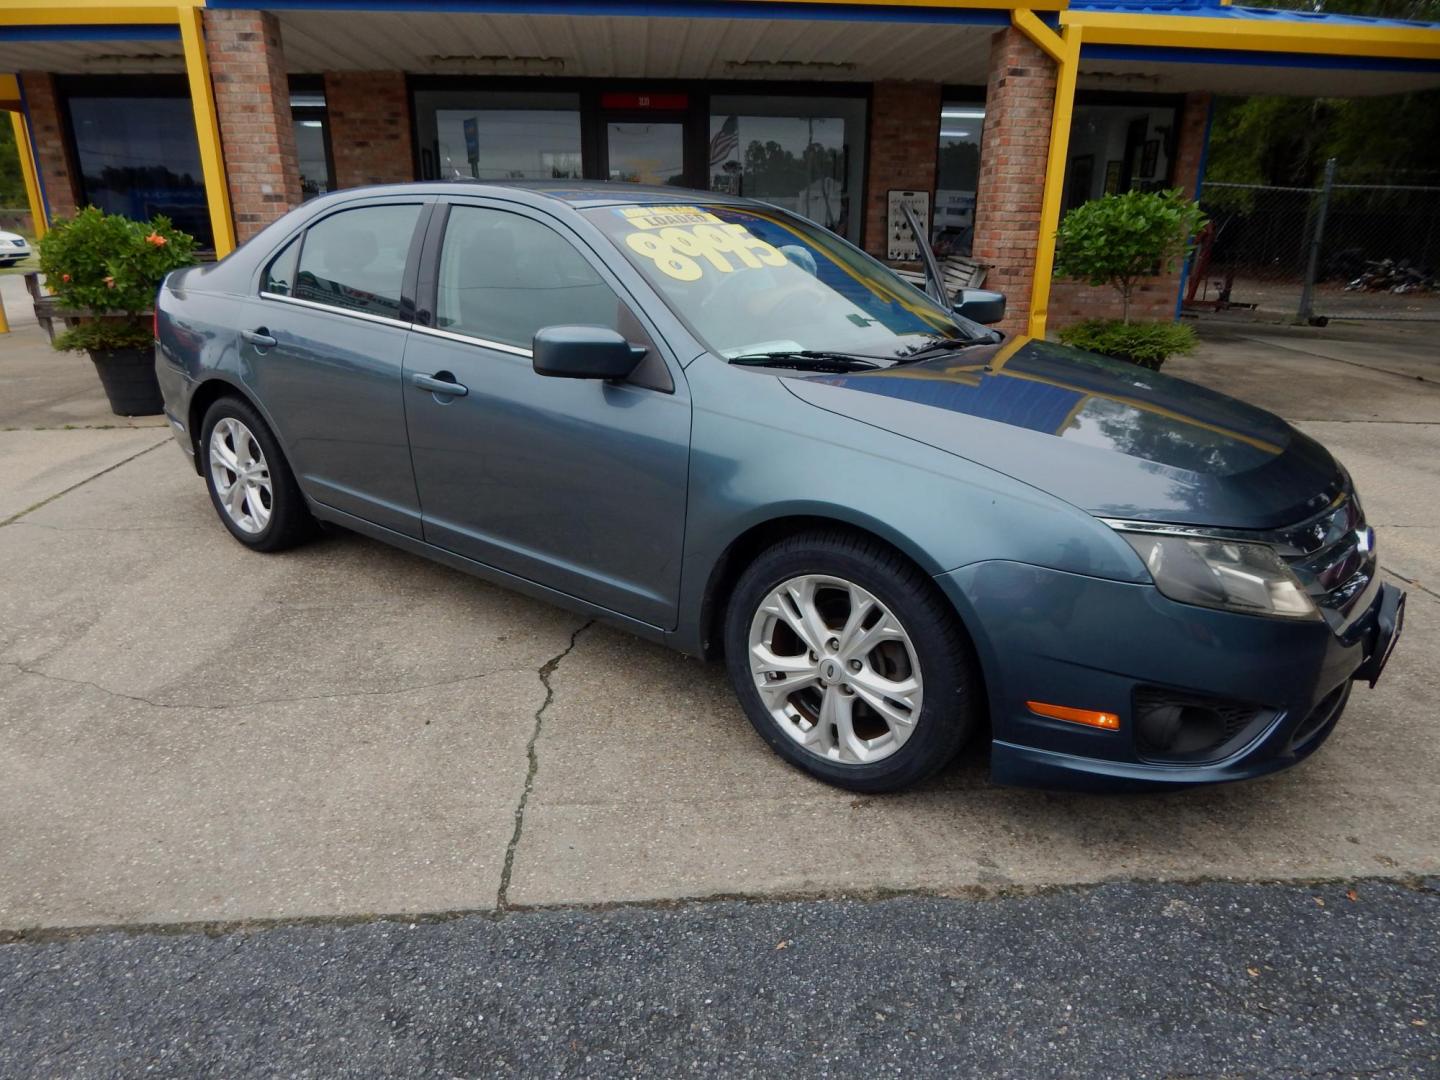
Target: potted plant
105, 271
1117, 240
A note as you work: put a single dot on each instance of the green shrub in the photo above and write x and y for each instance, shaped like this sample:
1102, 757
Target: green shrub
100, 263
1119, 239
1148, 344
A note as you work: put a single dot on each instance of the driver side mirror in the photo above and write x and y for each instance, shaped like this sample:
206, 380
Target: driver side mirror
583, 352
979, 305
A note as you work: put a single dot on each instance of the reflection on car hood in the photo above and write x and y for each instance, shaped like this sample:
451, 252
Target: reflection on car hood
1113, 438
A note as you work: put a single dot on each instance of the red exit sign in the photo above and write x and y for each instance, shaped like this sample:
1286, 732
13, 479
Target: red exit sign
664, 102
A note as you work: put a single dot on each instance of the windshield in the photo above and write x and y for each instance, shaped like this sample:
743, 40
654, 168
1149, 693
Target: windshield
756, 280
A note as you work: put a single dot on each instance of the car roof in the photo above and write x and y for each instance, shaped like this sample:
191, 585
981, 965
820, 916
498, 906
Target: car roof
580, 194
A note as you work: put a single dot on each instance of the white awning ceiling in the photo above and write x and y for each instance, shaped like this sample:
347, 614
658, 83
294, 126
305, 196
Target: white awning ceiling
668, 47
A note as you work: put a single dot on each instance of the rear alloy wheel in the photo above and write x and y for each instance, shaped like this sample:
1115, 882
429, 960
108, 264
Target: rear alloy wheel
849, 662
251, 485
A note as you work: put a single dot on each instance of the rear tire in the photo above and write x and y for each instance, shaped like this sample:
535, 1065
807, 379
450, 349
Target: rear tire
251, 485
850, 663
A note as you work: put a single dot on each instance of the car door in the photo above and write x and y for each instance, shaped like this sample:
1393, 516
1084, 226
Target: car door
323, 346
573, 483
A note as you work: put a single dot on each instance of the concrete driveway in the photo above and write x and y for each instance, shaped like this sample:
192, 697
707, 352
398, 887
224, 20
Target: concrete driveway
193, 733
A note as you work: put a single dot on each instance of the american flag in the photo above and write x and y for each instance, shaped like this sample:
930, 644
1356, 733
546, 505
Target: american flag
725, 143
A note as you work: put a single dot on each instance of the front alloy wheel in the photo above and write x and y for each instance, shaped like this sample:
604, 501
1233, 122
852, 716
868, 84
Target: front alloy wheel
836, 669
850, 662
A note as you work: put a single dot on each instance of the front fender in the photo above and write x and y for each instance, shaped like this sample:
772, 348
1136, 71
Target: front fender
759, 454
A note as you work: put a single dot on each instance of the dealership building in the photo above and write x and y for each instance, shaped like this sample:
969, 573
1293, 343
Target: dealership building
991, 119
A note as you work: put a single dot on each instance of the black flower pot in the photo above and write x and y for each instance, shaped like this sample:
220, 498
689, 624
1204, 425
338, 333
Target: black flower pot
128, 376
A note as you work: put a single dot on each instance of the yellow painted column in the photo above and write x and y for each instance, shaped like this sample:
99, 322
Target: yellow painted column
207, 127
1068, 68
29, 173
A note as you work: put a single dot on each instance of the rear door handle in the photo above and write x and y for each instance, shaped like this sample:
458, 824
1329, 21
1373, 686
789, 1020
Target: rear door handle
259, 337
442, 382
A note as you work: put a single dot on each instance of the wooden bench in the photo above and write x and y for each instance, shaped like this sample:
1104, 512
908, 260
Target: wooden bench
48, 310
956, 272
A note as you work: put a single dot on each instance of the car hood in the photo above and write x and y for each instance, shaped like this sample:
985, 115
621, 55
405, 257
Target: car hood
1107, 436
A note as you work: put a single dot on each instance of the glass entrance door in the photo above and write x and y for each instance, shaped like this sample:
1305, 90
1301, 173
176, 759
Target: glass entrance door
644, 150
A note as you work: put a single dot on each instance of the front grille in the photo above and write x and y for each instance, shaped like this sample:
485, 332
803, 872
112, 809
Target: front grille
1333, 556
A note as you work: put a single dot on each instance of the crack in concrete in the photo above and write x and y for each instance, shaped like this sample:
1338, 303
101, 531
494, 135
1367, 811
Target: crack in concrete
13, 518
138, 699
1288, 347
1412, 582
502, 896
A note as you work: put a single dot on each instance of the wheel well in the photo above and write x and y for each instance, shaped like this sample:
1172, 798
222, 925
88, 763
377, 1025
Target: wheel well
743, 550
205, 395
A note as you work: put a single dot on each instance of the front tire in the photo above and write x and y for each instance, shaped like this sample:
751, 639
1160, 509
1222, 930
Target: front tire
850, 663
250, 483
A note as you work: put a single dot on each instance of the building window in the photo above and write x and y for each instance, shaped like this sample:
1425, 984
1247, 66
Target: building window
957, 177
498, 135
803, 153
1118, 146
312, 137
135, 149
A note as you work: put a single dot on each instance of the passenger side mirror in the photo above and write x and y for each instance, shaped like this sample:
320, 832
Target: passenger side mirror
979, 305
583, 352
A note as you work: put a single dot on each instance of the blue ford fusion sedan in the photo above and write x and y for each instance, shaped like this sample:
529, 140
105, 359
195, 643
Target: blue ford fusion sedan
717, 425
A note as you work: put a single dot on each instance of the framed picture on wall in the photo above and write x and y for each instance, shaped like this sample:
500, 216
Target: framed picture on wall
1150, 158
1112, 177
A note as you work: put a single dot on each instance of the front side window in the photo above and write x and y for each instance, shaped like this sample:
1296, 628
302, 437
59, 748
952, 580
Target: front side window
356, 259
749, 281
504, 276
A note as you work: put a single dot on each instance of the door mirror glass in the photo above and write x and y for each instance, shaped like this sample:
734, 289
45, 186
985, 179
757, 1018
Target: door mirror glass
584, 352
980, 305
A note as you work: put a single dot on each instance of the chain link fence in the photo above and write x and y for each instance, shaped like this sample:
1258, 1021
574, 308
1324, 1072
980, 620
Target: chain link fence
1340, 250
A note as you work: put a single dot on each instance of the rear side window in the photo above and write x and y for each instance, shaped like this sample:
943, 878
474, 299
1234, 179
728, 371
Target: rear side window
504, 276
280, 276
356, 259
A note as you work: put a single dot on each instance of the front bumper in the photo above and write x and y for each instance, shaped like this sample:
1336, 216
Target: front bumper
1091, 643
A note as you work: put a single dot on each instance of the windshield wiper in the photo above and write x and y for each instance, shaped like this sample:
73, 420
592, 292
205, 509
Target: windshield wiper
806, 360
944, 345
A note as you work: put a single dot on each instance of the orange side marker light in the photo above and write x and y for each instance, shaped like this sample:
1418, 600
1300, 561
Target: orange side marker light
1106, 721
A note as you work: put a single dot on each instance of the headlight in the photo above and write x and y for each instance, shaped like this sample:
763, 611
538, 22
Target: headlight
1224, 574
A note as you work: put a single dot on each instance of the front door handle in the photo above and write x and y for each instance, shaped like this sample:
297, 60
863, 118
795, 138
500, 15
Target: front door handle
259, 337
442, 382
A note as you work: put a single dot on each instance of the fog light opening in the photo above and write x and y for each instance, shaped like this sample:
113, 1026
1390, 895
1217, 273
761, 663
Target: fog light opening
1180, 729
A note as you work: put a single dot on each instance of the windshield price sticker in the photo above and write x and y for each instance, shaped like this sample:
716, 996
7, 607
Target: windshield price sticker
685, 253
660, 217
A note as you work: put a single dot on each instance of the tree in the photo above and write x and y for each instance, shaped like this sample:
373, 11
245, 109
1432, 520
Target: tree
1285, 141
12, 184
1119, 239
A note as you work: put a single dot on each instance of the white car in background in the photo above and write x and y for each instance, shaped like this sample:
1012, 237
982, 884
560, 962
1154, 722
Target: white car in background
13, 248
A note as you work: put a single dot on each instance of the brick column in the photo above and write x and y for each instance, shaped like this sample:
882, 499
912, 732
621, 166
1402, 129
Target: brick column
1190, 142
369, 127
1019, 98
904, 143
58, 176
252, 103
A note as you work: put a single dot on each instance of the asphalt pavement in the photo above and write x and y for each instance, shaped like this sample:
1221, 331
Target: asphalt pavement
1212, 980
